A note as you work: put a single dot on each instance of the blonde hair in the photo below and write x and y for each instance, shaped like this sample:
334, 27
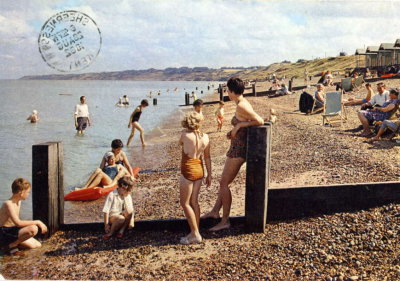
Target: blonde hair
192, 120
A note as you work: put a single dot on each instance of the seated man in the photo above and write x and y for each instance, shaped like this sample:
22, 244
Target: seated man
319, 96
378, 113
378, 99
352, 101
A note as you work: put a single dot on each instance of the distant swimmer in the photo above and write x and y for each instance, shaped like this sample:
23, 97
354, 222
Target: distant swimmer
134, 121
125, 100
81, 116
194, 96
120, 102
167, 90
34, 117
150, 95
176, 89
159, 92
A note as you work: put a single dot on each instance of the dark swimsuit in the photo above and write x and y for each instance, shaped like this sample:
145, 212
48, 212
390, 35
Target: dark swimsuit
8, 235
238, 148
136, 116
111, 171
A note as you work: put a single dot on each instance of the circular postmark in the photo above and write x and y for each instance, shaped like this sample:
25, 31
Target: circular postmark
69, 41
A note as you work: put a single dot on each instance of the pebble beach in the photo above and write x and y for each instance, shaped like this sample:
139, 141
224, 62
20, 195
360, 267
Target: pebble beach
363, 245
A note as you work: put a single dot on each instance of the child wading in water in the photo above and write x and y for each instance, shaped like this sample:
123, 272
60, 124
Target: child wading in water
118, 209
134, 121
15, 232
219, 113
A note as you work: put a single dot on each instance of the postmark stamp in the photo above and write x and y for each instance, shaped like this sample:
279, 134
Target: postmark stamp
69, 41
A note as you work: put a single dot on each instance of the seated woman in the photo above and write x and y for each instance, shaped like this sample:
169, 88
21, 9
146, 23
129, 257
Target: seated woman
108, 176
319, 96
392, 125
378, 113
120, 156
352, 101
328, 79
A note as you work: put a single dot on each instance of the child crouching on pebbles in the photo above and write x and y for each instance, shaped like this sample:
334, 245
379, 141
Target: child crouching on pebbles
15, 232
118, 209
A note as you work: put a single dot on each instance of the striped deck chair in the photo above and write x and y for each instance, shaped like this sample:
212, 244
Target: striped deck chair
334, 110
346, 84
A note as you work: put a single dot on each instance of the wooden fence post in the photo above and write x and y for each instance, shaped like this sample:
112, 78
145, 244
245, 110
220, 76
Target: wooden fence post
187, 99
257, 177
48, 184
221, 92
254, 89
290, 84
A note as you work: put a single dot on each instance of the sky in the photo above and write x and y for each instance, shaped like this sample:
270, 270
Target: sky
142, 34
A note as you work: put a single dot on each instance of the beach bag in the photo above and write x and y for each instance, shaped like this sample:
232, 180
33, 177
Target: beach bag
306, 102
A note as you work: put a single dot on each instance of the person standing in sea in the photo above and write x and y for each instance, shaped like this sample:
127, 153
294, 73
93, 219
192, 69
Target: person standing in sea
134, 122
81, 116
244, 117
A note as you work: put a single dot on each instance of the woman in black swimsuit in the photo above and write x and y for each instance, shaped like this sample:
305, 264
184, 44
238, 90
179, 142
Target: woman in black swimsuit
134, 121
120, 156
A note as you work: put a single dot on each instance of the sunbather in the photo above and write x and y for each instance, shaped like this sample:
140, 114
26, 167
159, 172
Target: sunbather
352, 101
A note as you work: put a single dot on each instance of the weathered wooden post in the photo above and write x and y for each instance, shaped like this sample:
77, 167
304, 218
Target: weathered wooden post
221, 92
187, 99
254, 89
257, 176
48, 184
290, 84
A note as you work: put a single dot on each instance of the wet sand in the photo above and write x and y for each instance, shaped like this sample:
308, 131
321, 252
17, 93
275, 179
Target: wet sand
361, 245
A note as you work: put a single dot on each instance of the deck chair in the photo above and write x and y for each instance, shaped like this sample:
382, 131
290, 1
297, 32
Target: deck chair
346, 84
358, 82
334, 110
315, 109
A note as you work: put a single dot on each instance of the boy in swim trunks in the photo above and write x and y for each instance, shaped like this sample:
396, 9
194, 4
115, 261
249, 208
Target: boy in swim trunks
15, 232
219, 113
118, 209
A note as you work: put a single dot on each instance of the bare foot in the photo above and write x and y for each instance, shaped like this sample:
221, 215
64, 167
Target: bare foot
210, 215
221, 226
144, 144
191, 240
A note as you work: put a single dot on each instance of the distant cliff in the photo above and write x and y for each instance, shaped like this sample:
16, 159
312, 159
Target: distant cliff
208, 74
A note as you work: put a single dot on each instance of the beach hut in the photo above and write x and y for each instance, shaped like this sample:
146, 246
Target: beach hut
397, 52
386, 54
360, 58
371, 56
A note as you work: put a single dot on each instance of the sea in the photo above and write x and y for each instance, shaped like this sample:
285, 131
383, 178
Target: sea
55, 101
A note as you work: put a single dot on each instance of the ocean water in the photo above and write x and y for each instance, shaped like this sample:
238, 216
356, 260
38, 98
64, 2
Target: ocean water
55, 101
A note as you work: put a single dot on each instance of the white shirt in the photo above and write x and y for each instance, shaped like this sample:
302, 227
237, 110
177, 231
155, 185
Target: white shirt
380, 98
82, 110
116, 205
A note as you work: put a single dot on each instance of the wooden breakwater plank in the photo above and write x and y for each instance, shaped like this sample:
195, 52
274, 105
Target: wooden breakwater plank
173, 225
47, 184
300, 202
286, 204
